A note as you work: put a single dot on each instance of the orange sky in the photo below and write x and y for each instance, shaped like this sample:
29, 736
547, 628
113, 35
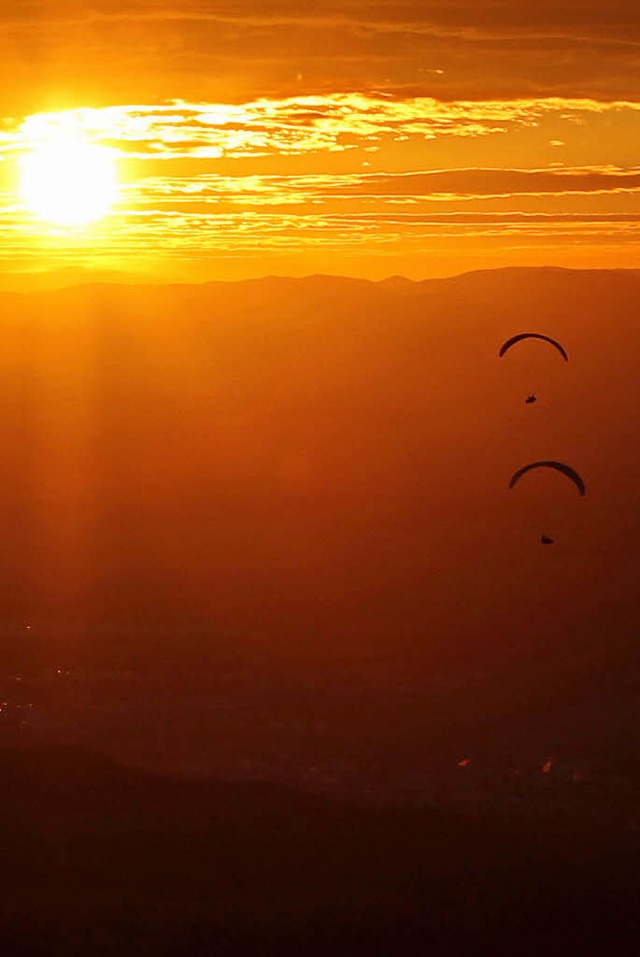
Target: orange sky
422, 138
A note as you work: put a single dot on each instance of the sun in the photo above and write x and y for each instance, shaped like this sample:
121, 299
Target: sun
69, 181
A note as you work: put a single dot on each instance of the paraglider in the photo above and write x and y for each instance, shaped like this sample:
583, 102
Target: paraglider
530, 399
532, 335
545, 540
559, 466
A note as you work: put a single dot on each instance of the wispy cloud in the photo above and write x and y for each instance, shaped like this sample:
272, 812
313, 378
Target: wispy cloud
515, 17
289, 126
447, 48
293, 125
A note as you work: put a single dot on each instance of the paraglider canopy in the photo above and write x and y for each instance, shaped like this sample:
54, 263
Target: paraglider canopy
533, 335
558, 466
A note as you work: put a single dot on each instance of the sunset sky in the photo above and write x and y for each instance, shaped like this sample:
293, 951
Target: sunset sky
360, 138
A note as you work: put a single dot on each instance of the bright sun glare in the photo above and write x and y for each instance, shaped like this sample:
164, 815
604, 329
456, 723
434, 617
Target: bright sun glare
69, 181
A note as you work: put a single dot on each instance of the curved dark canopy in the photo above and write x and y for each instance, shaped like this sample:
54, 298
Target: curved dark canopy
559, 466
533, 335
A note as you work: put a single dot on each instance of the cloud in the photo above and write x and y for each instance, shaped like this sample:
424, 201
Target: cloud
490, 17
447, 48
294, 125
427, 189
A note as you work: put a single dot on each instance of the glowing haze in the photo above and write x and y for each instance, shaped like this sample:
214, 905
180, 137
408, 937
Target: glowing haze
362, 138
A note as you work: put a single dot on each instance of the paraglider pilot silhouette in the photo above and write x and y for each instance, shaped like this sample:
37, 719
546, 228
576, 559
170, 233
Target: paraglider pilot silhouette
559, 467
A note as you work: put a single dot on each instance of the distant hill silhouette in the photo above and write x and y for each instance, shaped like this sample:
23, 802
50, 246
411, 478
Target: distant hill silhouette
320, 466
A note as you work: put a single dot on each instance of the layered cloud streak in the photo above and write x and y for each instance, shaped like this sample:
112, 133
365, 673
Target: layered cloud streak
372, 177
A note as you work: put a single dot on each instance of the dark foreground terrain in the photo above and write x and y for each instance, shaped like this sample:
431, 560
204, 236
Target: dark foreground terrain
100, 859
